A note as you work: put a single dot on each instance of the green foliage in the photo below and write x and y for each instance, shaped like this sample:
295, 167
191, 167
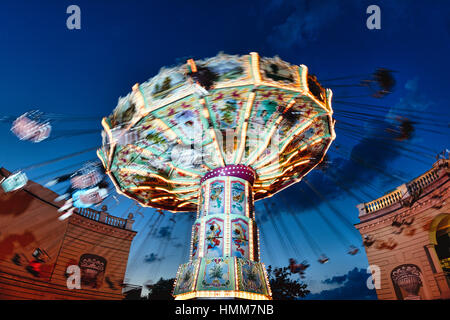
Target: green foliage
283, 286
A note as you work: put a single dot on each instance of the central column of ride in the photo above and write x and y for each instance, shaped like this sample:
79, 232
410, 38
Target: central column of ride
224, 256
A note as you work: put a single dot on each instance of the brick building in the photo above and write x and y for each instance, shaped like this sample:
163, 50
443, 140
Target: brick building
36, 248
406, 234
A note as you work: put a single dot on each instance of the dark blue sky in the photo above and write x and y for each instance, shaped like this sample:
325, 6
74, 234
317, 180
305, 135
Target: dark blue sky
83, 72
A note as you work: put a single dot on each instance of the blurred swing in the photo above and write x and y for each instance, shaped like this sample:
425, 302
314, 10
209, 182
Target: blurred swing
295, 267
32, 126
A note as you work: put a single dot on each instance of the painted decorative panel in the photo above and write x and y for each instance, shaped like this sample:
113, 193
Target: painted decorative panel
251, 276
276, 70
195, 240
229, 69
216, 274
217, 197
239, 238
186, 276
201, 201
214, 230
169, 85
238, 198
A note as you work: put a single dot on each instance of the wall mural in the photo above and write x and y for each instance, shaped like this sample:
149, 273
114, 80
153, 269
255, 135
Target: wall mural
214, 237
92, 269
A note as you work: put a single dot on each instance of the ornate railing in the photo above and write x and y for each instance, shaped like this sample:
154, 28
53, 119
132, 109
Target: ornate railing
103, 217
115, 221
423, 181
89, 213
410, 188
383, 202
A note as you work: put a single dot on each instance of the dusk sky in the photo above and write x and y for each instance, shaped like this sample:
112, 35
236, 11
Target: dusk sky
82, 73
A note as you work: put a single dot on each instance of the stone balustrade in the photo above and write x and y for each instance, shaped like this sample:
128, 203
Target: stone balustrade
424, 180
103, 216
405, 190
383, 202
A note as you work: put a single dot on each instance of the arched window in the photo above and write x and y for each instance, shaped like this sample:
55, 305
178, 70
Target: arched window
440, 238
443, 244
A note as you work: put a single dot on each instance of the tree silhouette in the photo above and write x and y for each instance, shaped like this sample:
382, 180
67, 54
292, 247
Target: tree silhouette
162, 290
283, 286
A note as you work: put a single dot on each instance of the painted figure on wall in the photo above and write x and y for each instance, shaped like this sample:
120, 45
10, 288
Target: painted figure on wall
239, 198
240, 238
214, 236
216, 198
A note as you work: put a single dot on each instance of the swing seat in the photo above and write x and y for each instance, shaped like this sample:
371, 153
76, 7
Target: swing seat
26, 129
14, 182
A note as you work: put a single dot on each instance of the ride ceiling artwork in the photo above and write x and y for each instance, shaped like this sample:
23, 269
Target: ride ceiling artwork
170, 131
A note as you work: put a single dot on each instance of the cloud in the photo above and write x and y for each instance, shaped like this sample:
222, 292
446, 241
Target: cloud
303, 23
152, 257
353, 287
178, 245
164, 232
335, 279
413, 101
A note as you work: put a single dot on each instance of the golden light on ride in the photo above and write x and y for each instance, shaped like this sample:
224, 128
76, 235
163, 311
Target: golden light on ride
212, 136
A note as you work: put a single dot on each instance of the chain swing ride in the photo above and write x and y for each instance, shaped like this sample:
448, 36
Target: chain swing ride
213, 136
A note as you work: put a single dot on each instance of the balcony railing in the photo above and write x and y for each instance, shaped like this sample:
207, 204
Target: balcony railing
405, 190
383, 202
424, 180
105, 218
